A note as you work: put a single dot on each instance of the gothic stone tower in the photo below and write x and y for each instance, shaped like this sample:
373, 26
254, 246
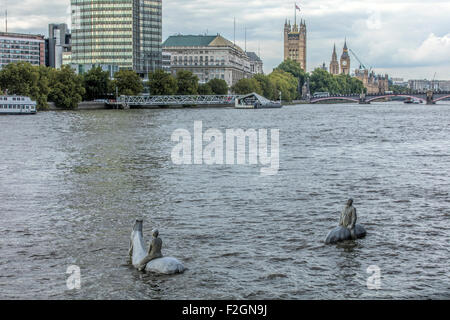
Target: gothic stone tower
345, 60
295, 43
334, 64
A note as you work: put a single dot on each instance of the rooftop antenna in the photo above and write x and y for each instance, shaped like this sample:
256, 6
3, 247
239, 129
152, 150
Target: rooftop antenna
432, 82
245, 39
6, 15
234, 37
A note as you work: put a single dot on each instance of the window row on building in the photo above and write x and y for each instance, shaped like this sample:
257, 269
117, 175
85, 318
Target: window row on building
16, 47
20, 56
21, 52
24, 47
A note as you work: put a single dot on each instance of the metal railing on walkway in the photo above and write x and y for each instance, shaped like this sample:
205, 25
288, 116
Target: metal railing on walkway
177, 100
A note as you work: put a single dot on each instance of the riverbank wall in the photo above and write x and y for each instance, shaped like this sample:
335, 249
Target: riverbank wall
92, 105
85, 105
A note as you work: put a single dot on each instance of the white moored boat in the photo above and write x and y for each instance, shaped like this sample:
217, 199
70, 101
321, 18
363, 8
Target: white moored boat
17, 105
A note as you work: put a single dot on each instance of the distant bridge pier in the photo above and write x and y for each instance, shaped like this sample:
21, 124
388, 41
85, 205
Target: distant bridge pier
430, 97
362, 99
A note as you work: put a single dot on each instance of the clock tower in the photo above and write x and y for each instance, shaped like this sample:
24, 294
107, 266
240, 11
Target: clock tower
345, 60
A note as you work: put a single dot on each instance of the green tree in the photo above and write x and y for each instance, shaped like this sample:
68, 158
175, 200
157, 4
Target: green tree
218, 86
295, 69
127, 82
246, 86
162, 83
66, 88
357, 86
45, 75
22, 78
285, 83
205, 89
18, 78
343, 84
269, 89
399, 89
323, 81
96, 83
187, 83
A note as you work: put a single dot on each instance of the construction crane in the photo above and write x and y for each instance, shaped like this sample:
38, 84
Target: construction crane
360, 63
432, 82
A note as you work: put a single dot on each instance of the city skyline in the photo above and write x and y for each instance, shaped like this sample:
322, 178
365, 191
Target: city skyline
408, 39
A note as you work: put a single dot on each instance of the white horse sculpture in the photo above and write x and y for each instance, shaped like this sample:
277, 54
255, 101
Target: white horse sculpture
165, 265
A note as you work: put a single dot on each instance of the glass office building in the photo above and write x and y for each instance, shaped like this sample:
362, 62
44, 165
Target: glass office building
117, 34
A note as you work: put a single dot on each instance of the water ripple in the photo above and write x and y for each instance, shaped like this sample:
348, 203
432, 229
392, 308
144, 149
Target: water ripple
71, 184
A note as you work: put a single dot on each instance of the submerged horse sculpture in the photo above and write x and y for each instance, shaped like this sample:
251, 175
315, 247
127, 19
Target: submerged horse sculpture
340, 233
164, 265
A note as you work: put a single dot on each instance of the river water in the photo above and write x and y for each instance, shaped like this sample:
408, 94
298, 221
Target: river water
72, 184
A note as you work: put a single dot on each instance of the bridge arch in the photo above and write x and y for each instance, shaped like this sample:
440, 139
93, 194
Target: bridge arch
442, 98
395, 95
334, 98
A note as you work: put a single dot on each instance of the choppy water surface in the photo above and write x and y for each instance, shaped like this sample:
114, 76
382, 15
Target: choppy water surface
72, 183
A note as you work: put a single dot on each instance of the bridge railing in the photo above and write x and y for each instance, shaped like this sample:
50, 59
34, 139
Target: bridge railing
383, 94
425, 97
178, 100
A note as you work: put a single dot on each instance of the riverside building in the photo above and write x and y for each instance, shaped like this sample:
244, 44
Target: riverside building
375, 84
425, 85
256, 64
16, 47
209, 57
166, 61
120, 34
58, 45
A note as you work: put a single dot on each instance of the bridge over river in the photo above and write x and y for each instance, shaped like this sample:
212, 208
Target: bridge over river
205, 100
428, 98
229, 100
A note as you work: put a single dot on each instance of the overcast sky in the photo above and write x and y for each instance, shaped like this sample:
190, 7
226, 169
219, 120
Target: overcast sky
405, 38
